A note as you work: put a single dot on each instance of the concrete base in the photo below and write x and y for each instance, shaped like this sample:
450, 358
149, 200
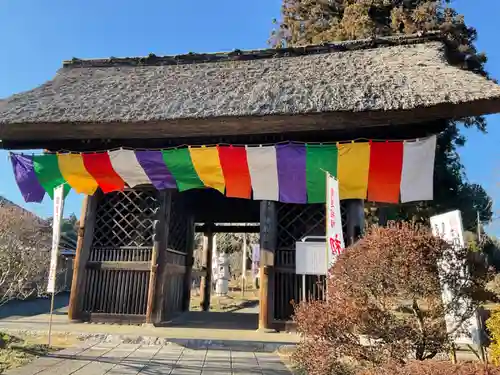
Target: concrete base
254, 343
267, 330
207, 330
235, 331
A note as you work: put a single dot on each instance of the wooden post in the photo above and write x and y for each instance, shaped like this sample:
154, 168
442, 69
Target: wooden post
268, 243
157, 256
83, 246
206, 280
355, 220
382, 216
244, 266
186, 302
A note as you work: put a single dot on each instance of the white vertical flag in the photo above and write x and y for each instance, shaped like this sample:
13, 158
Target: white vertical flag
263, 169
56, 236
125, 163
449, 227
334, 235
417, 177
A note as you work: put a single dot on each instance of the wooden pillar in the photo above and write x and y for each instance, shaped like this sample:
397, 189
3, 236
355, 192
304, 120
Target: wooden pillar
268, 243
186, 301
206, 280
160, 236
355, 220
383, 215
83, 246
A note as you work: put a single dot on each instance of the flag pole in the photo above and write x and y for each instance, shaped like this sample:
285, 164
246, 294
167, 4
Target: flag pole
50, 318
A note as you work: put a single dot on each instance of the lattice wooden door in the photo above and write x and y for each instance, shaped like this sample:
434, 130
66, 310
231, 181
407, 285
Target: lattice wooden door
118, 267
174, 281
296, 221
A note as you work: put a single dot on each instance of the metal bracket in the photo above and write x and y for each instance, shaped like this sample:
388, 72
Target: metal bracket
317, 238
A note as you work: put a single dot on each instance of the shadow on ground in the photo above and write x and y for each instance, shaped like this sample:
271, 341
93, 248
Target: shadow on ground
216, 320
150, 366
32, 307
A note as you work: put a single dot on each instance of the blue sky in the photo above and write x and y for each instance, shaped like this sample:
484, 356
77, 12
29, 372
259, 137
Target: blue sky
39, 35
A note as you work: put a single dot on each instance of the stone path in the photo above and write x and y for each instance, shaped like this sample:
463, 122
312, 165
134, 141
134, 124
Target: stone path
131, 359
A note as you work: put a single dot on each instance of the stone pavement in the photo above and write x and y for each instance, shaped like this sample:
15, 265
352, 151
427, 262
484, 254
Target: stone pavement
28, 318
171, 359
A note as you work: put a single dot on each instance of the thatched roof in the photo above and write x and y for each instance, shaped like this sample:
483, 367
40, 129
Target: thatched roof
362, 83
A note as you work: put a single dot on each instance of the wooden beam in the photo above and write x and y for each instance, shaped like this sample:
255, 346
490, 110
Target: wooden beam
229, 229
355, 220
206, 282
210, 206
84, 244
162, 279
383, 213
159, 246
125, 319
39, 135
394, 131
129, 266
188, 276
268, 243
175, 269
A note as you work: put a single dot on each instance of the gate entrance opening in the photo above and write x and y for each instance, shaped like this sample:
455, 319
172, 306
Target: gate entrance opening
136, 261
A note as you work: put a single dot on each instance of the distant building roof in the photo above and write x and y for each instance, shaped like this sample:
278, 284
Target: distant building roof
4, 202
358, 83
67, 243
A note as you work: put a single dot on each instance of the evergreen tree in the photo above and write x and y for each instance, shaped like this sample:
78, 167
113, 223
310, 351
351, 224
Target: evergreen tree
306, 22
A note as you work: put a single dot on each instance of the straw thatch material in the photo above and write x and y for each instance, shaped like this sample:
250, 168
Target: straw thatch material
397, 77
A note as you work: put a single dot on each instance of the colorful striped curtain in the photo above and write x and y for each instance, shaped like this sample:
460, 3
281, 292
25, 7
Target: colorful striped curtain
387, 172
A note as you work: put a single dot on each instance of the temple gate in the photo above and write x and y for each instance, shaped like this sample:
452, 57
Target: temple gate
135, 244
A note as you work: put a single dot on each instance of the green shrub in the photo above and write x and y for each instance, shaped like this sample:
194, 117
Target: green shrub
493, 325
384, 301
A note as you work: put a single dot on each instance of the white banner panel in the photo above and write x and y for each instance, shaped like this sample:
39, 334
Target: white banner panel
334, 235
449, 227
56, 236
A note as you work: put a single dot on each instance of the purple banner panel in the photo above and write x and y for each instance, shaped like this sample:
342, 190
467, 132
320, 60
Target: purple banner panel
156, 169
291, 160
26, 179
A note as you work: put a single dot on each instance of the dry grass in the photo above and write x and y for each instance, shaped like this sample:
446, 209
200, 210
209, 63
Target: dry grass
16, 352
232, 301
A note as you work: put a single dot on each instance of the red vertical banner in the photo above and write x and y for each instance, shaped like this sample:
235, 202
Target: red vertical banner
234, 165
384, 178
100, 167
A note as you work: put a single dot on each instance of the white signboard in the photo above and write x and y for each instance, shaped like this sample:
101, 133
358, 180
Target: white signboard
310, 258
56, 236
449, 227
334, 234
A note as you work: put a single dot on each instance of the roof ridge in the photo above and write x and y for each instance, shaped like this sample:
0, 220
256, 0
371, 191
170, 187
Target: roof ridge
241, 55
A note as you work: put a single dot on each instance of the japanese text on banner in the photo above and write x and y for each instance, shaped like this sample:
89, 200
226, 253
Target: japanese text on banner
334, 235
